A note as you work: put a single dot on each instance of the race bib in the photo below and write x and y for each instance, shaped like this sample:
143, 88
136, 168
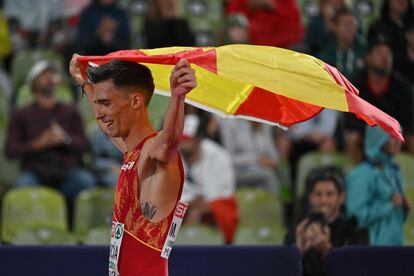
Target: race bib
116, 240
179, 213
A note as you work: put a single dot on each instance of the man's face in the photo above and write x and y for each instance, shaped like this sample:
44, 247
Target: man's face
326, 199
113, 107
398, 6
380, 59
45, 84
346, 28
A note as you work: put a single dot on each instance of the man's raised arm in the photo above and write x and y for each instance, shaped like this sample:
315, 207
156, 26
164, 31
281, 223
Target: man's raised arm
166, 143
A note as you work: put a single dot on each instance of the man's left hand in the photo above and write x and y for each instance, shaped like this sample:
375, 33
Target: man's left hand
182, 79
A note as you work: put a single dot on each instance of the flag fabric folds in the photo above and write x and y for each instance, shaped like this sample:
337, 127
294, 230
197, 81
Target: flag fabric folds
259, 83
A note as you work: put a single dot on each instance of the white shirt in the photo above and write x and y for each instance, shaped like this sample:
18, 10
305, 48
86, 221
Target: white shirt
212, 175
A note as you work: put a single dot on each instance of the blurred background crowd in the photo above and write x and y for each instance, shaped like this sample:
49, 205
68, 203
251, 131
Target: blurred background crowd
321, 184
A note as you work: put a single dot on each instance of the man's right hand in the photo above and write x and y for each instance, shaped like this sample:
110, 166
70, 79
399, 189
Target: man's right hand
78, 70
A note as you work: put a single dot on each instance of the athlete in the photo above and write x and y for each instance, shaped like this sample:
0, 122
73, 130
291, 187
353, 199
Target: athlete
151, 179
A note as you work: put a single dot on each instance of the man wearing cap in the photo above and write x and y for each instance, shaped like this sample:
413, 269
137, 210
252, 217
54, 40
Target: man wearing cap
210, 179
48, 137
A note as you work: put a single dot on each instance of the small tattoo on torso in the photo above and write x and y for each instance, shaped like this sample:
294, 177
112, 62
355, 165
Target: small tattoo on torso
148, 210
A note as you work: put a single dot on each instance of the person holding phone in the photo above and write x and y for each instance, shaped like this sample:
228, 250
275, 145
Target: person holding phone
326, 227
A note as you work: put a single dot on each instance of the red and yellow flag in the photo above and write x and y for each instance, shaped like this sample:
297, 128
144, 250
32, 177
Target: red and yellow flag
259, 83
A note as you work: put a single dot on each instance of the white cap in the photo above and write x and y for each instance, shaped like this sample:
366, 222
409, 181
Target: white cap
39, 67
191, 123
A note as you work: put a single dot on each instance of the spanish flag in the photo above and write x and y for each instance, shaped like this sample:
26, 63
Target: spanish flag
259, 83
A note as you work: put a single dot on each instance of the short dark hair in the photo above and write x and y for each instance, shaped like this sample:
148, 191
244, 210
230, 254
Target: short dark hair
330, 173
124, 74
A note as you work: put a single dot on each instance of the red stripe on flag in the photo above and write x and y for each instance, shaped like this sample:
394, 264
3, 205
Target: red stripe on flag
364, 110
276, 108
205, 59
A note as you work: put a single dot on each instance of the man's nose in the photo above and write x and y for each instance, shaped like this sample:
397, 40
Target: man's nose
98, 112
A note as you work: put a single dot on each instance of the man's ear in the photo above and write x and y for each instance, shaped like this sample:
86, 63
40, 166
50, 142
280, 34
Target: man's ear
137, 100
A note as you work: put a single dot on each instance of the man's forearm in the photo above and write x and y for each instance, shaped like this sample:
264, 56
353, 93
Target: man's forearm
173, 122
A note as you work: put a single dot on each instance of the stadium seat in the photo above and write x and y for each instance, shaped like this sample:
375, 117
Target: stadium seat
39, 210
406, 163
42, 236
258, 207
205, 18
98, 236
93, 210
251, 235
409, 224
198, 235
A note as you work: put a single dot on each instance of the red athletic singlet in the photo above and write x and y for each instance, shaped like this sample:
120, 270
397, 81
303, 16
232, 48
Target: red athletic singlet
142, 239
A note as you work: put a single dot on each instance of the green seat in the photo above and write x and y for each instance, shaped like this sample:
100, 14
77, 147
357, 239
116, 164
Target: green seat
198, 235
98, 236
409, 224
406, 162
93, 209
30, 209
316, 159
251, 235
205, 18
258, 207
43, 236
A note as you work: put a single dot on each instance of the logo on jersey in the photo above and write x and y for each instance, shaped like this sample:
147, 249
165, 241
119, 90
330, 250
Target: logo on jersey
128, 166
180, 209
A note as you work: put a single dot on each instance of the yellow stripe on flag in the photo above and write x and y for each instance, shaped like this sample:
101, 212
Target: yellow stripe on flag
212, 90
282, 72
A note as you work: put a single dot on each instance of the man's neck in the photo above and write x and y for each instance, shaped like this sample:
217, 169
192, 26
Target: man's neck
140, 130
378, 84
344, 45
45, 103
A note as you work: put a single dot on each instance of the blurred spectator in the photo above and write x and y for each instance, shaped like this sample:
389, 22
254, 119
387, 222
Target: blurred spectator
392, 23
163, 27
374, 189
48, 137
325, 228
320, 28
271, 22
210, 180
347, 51
106, 159
5, 49
381, 86
252, 148
103, 27
237, 30
34, 16
407, 68
19, 36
